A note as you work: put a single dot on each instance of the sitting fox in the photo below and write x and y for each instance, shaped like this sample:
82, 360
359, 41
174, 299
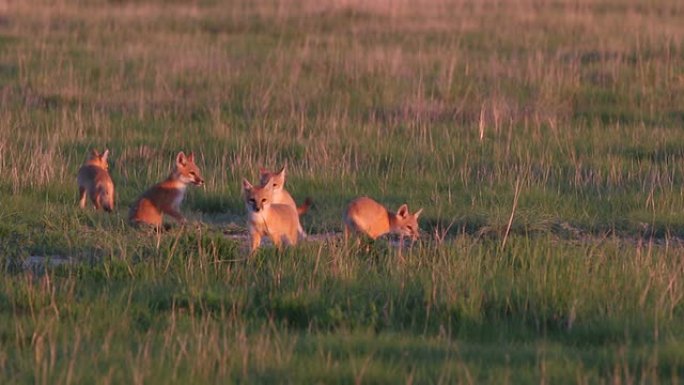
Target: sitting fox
165, 197
95, 182
367, 216
280, 195
265, 217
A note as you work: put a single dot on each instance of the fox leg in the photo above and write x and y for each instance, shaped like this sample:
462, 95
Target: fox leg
347, 232
177, 216
82, 197
301, 232
256, 240
293, 239
96, 200
350, 230
277, 241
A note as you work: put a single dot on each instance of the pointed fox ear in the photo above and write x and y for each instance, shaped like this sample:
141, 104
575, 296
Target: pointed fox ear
279, 177
105, 154
268, 184
417, 214
191, 157
403, 211
246, 186
282, 170
181, 159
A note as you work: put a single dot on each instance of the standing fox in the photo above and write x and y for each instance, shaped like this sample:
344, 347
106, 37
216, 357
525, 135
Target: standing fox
367, 216
280, 195
265, 217
165, 197
94, 182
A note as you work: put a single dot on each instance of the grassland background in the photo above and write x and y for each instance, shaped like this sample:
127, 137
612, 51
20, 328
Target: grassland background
444, 104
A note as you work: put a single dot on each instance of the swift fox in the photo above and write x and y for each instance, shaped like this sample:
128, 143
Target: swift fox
165, 197
367, 216
264, 217
94, 182
280, 195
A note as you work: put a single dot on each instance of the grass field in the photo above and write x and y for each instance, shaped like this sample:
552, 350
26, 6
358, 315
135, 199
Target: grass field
543, 139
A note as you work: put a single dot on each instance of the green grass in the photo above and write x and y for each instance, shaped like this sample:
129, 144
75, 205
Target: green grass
445, 105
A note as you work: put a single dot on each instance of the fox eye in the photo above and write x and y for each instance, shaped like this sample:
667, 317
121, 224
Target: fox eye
252, 201
263, 200
192, 173
410, 228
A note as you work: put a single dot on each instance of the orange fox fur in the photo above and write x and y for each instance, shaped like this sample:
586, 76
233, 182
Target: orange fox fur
367, 216
265, 217
166, 197
95, 182
280, 195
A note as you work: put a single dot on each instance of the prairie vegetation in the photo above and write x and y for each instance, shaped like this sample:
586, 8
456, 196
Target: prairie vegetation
542, 138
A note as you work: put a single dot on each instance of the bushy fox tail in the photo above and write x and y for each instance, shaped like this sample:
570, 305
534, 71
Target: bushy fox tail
301, 210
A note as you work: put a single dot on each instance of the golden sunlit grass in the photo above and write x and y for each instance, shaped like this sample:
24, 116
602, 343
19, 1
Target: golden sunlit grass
543, 139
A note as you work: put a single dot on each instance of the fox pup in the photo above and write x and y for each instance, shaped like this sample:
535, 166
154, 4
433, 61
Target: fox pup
165, 197
94, 182
367, 216
265, 217
280, 195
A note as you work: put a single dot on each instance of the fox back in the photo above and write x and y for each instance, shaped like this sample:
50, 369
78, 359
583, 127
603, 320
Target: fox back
364, 215
265, 217
165, 197
94, 182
